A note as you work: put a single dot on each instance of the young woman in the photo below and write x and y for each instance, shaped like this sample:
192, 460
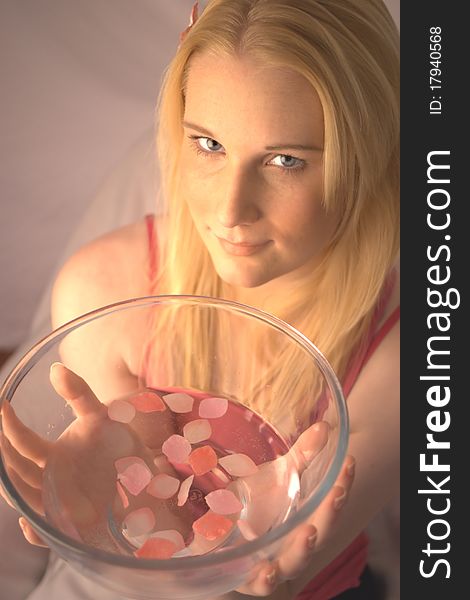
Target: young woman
278, 145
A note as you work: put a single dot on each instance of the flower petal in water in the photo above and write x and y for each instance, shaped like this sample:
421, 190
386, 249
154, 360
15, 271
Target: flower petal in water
121, 464
213, 408
179, 402
202, 460
147, 402
184, 490
172, 535
122, 495
223, 502
139, 522
156, 547
163, 486
212, 526
176, 448
238, 465
121, 411
221, 475
133, 474
197, 431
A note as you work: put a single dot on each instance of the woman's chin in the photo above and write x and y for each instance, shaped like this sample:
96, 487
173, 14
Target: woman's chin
243, 277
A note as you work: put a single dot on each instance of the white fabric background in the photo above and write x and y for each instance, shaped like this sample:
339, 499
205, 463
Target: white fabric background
79, 80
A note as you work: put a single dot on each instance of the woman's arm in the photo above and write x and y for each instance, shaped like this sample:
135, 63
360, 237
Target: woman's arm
107, 270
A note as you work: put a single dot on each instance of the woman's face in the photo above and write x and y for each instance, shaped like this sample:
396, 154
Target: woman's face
252, 170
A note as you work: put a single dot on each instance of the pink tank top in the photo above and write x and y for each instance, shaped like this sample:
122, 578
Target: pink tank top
345, 570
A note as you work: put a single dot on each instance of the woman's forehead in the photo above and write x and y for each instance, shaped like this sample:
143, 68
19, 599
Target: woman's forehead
229, 93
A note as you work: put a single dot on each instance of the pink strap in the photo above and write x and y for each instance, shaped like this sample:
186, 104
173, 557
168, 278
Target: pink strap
381, 334
360, 362
152, 247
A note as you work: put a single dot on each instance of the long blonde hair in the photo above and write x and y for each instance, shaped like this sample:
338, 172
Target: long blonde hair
348, 50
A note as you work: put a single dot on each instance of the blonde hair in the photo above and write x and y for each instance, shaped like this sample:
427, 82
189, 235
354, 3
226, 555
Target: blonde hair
348, 51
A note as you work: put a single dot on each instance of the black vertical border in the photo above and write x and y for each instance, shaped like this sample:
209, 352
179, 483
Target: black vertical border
423, 133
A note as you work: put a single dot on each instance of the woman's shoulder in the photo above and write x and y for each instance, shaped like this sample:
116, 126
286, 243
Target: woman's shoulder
111, 268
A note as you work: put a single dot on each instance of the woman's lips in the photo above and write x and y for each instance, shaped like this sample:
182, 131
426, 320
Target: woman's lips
242, 249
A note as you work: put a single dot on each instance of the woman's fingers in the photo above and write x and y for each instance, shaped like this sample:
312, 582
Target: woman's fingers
28, 443
30, 472
264, 581
307, 538
29, 533
32, 496
297, 552
3, 494
326, 515
75, 391
309, 444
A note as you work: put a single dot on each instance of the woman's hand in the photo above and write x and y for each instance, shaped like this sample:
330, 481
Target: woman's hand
78, 468
307, 538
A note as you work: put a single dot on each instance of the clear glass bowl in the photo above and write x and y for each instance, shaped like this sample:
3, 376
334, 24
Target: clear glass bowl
212, 378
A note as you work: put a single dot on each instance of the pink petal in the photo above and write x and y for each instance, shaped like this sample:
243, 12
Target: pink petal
223, 502
121, 464
173, 536
122, 411
246, 530
221, 475
139, 521
238, 465
137, 540
212, 408
202, 460
156, 548
212, 526
184, 490
133, 474
163, 486
176, 448
147, 402
197, 431
179, 403
122, 495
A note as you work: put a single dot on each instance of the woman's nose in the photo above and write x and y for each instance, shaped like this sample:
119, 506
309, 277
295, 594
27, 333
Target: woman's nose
238, 201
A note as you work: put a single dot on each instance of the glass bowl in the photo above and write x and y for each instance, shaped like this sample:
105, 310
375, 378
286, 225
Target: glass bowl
191, 474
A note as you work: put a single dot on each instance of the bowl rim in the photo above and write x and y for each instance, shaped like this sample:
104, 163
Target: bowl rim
57, 538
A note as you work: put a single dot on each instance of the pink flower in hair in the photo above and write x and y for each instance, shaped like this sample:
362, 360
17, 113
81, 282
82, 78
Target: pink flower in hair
194, 17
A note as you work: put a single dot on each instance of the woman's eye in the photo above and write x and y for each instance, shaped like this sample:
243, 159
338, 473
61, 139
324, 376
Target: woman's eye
208, 144
287, 162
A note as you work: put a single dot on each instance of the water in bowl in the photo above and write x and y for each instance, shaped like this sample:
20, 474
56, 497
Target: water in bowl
213, 474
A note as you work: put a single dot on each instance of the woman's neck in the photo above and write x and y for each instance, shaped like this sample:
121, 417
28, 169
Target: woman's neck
272, 293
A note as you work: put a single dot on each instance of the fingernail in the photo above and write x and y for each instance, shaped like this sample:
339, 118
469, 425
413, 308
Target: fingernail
271, 577
340, 500
351, 468
308, 454
312, 540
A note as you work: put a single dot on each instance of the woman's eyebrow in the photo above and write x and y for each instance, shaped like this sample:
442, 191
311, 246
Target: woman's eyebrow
295, 147
277, 147
198, 128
